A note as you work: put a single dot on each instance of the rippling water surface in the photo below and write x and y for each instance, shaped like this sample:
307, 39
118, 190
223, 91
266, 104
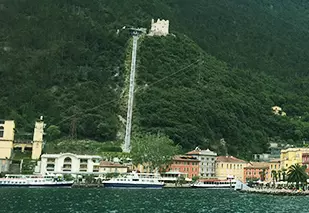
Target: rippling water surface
139, 200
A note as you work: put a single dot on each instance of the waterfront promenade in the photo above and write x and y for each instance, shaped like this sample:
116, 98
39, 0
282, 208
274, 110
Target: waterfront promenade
285, 192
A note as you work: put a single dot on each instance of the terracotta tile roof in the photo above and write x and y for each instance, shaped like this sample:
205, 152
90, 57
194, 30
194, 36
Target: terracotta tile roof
194, 152
185, 158
277, 160
257, 165
111, 164
230, 159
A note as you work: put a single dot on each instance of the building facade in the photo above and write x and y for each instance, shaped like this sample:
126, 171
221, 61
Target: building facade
305, 161
142, 168
69, 163
274, 151
6, 138
159, 28
37, 143
257, 171
292, 156
207, 161
230, 167
110, 167
275, 165
8, 143
186, 165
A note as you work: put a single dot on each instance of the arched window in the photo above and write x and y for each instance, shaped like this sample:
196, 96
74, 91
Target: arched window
67, 164
1, 131
68, 160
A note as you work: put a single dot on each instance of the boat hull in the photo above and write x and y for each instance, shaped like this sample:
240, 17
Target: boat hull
56, 185
128, 185
214, 187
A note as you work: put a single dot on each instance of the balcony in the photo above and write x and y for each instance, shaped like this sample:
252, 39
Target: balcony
67, 168
67, 163
50, 169
83, 161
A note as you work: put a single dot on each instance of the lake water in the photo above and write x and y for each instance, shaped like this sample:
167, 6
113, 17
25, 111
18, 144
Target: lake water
17, 200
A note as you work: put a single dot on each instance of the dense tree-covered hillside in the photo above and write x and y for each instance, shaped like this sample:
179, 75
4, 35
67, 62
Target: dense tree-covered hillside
202, 100
64, 60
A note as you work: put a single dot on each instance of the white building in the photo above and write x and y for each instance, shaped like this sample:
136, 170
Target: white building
159, 28
69, 163
207, 160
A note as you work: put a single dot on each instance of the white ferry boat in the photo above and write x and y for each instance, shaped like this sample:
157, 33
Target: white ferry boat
215, 184
34, 181
135, 180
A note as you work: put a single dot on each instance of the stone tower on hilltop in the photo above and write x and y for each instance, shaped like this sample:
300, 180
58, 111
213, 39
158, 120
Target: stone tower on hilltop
159, 28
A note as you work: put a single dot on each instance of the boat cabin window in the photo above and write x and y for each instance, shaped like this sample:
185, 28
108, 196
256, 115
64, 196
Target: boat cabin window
134, 179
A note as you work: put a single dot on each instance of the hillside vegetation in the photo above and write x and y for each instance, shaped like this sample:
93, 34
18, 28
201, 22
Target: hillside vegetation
218, 77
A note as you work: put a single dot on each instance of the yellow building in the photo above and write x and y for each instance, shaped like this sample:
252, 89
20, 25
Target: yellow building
142, 168
6, 139
292, 156
275, 165
109, 167
8, 144
230, 167
37, 139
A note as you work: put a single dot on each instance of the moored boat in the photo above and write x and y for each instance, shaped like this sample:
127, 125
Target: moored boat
213, 183
135, 180
34, 181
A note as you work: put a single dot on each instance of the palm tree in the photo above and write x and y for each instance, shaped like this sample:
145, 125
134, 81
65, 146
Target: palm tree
262, 175
297, 174
283, 174
274, 176
279, 175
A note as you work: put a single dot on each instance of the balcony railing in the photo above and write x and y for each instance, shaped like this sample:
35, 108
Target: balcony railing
67, 163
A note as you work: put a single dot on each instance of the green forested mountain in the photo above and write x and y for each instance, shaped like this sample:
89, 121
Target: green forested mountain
227, 64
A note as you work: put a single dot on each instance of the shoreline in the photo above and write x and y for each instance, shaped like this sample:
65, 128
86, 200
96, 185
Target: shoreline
279, 192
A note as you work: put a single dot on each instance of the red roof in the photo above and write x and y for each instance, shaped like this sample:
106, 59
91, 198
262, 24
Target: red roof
276, 160
257, 165
194, 152
111, 164
185, 158
230, 159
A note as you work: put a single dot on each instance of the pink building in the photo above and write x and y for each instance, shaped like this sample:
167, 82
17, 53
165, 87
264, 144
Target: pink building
185, 164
